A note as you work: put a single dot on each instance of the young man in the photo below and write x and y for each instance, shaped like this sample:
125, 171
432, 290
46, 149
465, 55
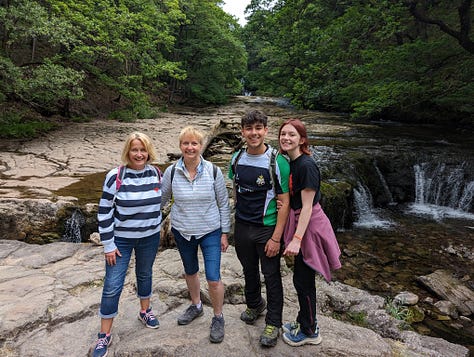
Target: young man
258, 183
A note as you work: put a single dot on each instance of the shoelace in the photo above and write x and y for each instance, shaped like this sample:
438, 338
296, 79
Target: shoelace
294, 328
269, 329
149, 316
101, 343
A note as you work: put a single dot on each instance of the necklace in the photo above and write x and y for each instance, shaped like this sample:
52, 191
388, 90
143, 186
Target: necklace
139, 175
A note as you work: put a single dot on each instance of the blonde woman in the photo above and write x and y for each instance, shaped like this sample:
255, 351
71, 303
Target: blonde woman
129, 221
200, 218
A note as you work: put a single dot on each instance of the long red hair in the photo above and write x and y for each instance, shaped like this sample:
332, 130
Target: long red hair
301, 129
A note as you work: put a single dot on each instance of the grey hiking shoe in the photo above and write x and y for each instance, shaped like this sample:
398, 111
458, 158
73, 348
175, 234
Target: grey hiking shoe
190, 314
217, 329
269, 336
250, 315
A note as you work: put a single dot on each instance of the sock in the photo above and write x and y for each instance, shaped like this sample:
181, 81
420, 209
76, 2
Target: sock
220, 316
199, 305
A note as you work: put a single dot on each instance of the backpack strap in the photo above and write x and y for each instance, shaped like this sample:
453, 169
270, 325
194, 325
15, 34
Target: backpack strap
214, 170
236, 160
118, 180
173, 169
158, 172
272, 169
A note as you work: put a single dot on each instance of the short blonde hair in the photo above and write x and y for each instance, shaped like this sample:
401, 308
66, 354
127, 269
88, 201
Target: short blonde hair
145, 140
192, 131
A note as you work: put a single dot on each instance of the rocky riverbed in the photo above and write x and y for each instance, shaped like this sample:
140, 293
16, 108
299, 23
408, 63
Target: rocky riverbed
49, 294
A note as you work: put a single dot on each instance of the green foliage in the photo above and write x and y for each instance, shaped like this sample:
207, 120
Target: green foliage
54, 53
358, 318
372, 59
15, 125
399, 311
49, 83
212, 55
123, 115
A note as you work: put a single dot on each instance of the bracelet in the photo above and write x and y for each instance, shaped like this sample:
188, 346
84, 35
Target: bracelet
276, 241
297, 237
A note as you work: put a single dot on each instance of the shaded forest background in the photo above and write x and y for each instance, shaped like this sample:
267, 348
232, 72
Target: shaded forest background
66, 60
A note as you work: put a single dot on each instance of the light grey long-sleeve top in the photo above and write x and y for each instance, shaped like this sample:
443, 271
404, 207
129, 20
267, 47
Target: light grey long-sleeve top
200, 206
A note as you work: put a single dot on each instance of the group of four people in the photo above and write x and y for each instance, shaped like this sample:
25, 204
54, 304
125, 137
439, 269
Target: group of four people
276, 210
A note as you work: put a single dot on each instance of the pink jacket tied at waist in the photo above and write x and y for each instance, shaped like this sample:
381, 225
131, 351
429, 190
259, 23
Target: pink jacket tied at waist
319, 245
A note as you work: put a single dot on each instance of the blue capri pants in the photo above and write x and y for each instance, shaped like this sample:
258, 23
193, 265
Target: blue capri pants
210, 245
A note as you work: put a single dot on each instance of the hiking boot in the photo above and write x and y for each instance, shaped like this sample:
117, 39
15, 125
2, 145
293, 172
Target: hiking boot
149, 319
217, 329
299, 338
102, 344
250, 315
290, 326
190, 314
269, 336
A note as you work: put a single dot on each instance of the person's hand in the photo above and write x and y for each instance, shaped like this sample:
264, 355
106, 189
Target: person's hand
111, 257
224, 242
293, 248
272, 248
279, 204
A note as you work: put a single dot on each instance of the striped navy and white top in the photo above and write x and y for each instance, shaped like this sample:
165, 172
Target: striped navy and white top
137, 209
200, 206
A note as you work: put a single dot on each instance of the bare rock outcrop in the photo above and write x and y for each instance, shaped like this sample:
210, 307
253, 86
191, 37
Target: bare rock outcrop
50, 295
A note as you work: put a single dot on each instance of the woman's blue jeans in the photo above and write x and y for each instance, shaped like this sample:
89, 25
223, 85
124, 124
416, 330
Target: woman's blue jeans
145, 254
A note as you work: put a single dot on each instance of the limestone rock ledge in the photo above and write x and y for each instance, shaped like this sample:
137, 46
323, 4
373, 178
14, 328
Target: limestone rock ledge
50, 294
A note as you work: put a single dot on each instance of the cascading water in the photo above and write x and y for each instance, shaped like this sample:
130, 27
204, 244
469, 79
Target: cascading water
384, 185
367, 215
73, 227
442, 191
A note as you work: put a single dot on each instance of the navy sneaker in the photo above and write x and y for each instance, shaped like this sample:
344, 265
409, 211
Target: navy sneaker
297, 338
102, 345
149, 319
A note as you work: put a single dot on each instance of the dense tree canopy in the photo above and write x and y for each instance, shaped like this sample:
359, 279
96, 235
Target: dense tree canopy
386, 58
405, 60
54, 52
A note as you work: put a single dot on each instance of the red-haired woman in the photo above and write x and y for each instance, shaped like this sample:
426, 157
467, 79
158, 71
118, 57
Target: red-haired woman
308, 236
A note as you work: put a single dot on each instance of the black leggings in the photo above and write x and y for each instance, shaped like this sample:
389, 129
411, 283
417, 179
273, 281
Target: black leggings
305, 285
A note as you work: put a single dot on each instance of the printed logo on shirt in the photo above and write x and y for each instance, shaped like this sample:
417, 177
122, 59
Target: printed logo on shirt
260, 181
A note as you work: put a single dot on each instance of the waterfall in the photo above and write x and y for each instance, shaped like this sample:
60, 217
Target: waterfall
73, 227
367, 215
442, 191
384, 185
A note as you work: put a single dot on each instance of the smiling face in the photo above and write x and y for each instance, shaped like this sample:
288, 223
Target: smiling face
254, 135
137, 155
190, 147
290, 140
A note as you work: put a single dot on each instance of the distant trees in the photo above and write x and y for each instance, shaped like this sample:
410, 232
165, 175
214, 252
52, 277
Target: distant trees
373, 59
54, 52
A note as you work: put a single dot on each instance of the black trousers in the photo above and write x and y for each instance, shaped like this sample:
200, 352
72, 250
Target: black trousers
250, 243
305, 285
